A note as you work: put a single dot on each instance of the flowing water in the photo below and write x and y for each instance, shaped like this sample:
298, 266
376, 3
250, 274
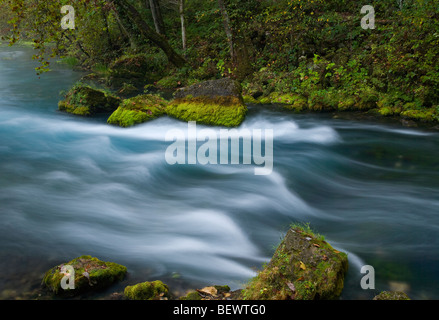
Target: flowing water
71, 186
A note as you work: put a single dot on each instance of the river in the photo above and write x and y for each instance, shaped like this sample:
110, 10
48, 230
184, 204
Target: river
71, 186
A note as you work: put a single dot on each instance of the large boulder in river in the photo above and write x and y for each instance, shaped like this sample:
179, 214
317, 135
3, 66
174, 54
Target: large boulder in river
139, 109
86, 101
213, 102
90, 274
303, 267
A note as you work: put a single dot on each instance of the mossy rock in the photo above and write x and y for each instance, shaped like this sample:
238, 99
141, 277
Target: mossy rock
386, 111
224, 87
91, 274
128, 90
213, 102
424, 115
249, 99
135, 69
155, 290
303, 267
222, 111
169, 82
391, 295
191, 295
86, 101
139, 109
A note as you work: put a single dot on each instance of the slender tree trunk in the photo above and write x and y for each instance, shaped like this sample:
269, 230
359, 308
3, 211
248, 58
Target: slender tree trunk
78, 43
123, 31
107, 28
127, 27
157, 16
183, 26
148, 33
228, 30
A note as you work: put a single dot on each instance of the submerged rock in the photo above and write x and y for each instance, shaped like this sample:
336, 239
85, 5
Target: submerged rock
213, 102
90, 274
155, 290
303, 267
391, 295
138, 110
86, 101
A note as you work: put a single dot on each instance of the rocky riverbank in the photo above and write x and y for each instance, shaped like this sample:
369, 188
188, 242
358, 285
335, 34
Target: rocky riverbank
304, 267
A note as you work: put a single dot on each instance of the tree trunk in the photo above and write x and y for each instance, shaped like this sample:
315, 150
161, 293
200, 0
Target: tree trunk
148, 33
157, 16
107, 28
183, 26
127, 27
228, 30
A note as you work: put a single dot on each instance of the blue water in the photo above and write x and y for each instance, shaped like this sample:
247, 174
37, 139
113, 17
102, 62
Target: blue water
71, 186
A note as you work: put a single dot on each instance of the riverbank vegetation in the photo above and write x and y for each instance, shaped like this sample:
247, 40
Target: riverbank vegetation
306, 54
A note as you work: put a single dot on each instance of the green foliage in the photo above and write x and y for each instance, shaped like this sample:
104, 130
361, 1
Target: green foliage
312, 49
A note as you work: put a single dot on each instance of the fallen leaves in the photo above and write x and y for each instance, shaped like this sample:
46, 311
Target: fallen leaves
209, 290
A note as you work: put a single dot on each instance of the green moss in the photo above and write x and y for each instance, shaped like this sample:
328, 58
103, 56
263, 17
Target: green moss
386, 111
366, 98
169, 82
282, 98
299, 104
84, 100
155, 290
138, 110
192, 295
248, 99
265, 100
222, 289
128, 89
391, 295
424, 115
306, 230
303, 267
224, 111
90, 274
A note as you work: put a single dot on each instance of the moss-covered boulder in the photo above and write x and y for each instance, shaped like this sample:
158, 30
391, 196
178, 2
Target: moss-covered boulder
391, 295
90, 274
303, 267
155, 290
213, 102
138, 110
84, 100
134, 69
